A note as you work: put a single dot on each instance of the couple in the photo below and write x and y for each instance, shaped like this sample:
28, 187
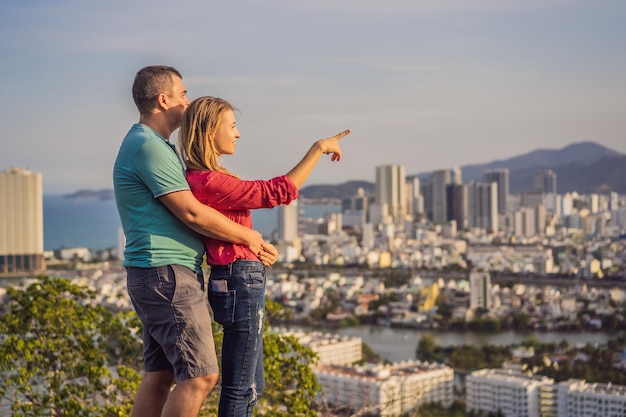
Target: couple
171, 218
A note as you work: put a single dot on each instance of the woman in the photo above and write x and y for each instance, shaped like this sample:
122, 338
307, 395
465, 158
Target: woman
237, 278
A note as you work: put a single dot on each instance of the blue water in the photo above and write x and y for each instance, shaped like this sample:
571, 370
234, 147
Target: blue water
95, 223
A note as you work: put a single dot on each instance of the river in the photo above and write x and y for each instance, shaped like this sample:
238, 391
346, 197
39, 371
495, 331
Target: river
398, 344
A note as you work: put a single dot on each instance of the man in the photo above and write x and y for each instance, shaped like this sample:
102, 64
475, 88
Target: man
162, 222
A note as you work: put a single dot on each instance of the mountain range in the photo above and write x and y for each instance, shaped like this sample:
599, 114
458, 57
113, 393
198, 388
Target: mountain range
585, 167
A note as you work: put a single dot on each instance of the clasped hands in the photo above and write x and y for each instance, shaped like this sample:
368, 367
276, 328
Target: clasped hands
268, 254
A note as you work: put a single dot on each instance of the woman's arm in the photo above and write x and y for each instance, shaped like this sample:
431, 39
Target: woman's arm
301, 172
225, 192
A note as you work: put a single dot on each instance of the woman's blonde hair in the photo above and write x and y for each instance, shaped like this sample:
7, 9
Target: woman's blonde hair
196, 137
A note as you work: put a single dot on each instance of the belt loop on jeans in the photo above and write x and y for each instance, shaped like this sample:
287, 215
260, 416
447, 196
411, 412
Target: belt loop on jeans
230, 268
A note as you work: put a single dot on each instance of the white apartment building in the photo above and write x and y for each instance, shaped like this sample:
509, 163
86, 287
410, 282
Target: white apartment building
521, 395
21, 221
387, 390
331, 349
578, 398
513, 393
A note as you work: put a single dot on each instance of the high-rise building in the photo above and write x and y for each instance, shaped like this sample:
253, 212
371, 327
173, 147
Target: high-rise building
524, 222
415, 200
501, 177
21, 221
427, 194
288, 222
613, 201
391, 190
483, 206
457, 204
440, 180
456, 176
545, 180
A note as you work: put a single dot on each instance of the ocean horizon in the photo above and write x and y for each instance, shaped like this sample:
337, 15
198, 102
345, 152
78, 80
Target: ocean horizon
95, 224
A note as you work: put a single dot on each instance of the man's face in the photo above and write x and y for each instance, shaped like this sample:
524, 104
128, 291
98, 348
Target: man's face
177, 101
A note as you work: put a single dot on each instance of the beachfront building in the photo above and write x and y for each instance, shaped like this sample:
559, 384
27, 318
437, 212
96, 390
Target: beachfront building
386, 390
21, 221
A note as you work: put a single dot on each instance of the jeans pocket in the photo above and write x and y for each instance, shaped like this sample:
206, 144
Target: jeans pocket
223, 306
255, 280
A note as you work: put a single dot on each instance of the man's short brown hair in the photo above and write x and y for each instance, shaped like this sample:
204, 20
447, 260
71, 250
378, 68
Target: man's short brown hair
149, 83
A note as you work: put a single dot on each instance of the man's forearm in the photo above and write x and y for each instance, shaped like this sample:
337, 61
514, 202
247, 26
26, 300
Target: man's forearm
206, 220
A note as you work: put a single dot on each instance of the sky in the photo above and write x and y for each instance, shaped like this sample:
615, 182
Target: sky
430, 84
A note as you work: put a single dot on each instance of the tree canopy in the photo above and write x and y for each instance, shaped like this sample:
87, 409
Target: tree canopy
63, 355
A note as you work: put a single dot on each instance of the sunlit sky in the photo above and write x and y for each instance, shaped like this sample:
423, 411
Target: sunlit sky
428, 84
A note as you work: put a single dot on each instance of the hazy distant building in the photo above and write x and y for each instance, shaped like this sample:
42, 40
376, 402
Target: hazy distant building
415, 200
613, 201
483, 206
391, 190
524, 222
288, 222
439, 181
532, 198
427, 195
21, 221
545, 180
567, 205
456, 176
480, 290
359, 202
501, 177
457, 204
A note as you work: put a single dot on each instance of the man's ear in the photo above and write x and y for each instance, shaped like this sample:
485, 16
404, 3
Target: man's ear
162, 101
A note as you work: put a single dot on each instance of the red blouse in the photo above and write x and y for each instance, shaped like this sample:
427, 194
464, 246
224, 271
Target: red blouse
235, 198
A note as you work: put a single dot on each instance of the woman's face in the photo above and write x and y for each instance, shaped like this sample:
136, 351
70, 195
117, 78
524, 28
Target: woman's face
226, 134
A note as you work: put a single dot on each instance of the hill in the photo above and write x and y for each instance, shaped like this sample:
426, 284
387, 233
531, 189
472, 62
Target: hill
339, 191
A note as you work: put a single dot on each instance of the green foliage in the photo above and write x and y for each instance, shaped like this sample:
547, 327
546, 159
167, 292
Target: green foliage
290, 385
596, 367
61, 355
470, 357
428, 351
369, 355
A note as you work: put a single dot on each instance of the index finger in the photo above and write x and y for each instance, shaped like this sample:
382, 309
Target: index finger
342, 134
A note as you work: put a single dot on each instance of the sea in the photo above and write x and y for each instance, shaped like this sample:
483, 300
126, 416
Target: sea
94, 224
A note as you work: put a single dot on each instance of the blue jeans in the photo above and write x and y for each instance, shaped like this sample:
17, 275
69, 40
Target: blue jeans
237, 296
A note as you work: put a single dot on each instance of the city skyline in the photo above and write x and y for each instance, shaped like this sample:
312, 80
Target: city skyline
428, 85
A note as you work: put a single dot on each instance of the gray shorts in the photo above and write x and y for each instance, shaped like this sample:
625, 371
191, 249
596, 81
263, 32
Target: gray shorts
171, 304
